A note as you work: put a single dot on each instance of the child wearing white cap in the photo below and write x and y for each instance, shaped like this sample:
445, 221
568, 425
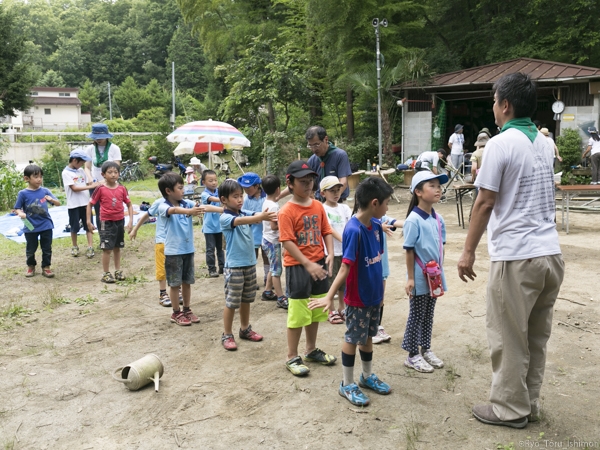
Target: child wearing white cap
338, 215
424, 237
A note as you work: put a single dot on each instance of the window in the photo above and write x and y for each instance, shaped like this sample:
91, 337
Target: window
34, 93
47, 111
64, 94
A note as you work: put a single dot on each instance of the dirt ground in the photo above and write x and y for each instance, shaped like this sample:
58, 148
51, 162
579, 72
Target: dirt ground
57, 360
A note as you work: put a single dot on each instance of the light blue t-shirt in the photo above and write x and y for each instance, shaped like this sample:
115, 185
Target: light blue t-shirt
255, 204
160, 233
211, 219
179, 231
240, 246
421, 235
385, 263
35, 206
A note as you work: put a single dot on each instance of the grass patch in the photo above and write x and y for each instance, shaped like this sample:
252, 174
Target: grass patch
133, 280
450, 377
474, 352
412, 432
53, 298
84, 301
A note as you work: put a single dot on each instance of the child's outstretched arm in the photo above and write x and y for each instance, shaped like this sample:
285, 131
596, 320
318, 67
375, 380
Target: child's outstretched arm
195, 211
256, 218
143, 219
327, 302
211, 208
410, 268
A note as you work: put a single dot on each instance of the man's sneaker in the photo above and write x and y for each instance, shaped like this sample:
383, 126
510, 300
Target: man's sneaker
418, 363
119, 275
180, 318
485, 414
107, 278
269, 296
297, 367
381, 336
375, 384
30, 271
164, 299
318, 355
228, 342
354, 395
90, 252
213, 274
75, 251
250, 334
433, 360
191, 316
282, 302
47, 272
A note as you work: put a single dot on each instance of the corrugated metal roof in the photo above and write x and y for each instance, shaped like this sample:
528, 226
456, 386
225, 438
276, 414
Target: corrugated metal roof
56, 101
539, 70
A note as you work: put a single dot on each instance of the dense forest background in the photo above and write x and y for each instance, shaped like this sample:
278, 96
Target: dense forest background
271, 67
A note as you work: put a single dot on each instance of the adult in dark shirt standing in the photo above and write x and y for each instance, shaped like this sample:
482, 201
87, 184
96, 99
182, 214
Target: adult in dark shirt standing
327, 159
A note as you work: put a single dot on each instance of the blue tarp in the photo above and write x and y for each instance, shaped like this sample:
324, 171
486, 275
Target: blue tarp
10, 225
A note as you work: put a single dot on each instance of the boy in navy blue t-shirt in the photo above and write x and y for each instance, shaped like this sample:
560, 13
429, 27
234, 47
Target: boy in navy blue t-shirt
32, 207
361, 270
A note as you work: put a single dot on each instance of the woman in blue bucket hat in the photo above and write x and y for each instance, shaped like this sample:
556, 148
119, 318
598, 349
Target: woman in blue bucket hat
99, 152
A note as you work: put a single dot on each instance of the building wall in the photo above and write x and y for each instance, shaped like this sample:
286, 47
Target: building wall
60, 117
417, 133
584, 116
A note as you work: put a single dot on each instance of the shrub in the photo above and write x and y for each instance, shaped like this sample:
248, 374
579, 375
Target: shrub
361, 150
11, 182
129, 148
569, 147
55, 159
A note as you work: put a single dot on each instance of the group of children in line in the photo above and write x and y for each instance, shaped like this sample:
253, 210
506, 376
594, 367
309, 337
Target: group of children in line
328, 251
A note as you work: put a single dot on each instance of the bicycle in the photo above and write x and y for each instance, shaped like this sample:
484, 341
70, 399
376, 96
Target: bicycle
131, 171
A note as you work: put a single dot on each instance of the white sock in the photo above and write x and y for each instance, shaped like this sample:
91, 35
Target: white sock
348, 375
367, 368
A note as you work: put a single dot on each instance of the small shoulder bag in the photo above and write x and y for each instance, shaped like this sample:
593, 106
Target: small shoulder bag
432, 270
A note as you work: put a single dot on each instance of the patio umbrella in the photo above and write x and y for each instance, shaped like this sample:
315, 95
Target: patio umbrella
210, 132
188, 148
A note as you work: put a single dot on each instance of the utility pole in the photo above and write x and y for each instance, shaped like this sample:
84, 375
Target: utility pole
173, 93
384, 23
109, 103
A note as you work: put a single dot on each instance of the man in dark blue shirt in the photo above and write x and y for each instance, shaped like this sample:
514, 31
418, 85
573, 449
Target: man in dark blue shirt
327, 159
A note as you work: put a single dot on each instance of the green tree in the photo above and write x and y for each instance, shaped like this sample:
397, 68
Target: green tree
16, 77
89, 97
130, 98
52, 79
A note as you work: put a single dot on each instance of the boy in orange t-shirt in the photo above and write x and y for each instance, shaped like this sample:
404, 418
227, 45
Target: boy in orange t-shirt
303, 226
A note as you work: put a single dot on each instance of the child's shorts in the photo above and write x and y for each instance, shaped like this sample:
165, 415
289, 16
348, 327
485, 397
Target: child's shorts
337, 264
75, 216
179, 269
112, 234
300, 316
273, 252
159, 261
240, 285
301, 285
361, 323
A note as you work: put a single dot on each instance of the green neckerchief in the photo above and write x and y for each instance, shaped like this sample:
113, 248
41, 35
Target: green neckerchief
323, 160
524, 125
99, 160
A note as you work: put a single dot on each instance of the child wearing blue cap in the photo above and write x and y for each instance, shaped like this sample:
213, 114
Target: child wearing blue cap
254, 199
77, 187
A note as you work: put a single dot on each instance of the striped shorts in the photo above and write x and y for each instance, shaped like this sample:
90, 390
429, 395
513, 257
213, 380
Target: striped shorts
240, 285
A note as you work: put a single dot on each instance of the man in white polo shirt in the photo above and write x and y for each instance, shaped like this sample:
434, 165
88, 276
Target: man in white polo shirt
516, 203
456, 143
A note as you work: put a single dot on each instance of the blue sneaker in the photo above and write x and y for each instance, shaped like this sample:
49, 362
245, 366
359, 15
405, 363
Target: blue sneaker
354, 395
375, 384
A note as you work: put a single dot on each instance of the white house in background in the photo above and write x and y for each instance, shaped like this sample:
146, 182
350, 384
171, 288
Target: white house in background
53, 109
